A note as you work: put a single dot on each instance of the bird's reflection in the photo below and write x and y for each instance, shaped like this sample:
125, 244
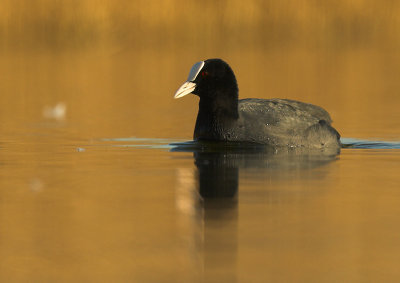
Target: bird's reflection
218, 164
217, 177
217, 181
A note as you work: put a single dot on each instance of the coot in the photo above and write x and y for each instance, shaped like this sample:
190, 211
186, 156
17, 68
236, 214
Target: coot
275, 122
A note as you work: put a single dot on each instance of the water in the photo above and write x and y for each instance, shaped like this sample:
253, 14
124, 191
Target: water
99, 178
118, 209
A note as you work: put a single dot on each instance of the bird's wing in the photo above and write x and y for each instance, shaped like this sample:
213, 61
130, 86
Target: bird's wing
281, 116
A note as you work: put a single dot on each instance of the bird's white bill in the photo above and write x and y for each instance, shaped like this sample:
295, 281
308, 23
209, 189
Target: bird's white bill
195, 70
186, 88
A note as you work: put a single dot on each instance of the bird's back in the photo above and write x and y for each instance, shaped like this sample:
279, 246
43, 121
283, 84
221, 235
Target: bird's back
284, 122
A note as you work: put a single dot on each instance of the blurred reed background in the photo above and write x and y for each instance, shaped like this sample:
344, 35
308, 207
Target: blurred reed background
113, 61
266, 24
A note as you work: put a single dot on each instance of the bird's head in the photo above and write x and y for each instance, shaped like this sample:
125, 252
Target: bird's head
210, 79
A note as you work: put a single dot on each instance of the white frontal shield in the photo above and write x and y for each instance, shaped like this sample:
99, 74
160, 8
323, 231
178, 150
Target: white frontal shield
189, 85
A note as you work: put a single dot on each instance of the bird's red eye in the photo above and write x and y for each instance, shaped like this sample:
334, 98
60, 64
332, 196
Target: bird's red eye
204, 74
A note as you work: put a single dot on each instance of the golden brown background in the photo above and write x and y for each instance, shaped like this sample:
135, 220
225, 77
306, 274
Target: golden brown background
76, 208
99, 56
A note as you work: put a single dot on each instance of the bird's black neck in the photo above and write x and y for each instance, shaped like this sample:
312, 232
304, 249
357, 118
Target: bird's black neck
219, 107
215, 114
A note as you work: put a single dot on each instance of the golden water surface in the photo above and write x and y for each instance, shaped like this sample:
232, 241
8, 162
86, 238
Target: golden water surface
91, 191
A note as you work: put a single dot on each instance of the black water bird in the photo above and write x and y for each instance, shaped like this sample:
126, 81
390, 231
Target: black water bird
274, 122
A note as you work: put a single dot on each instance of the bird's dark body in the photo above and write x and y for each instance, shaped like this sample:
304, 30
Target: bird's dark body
274, 122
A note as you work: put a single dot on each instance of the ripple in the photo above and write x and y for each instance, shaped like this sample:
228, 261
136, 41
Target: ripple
156, 143
367, 144
167, 143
